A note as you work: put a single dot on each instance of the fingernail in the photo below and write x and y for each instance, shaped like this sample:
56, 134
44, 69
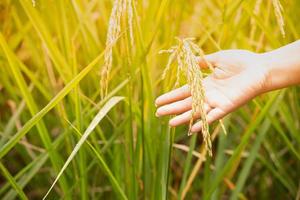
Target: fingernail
156, 114
158, 111
156, 100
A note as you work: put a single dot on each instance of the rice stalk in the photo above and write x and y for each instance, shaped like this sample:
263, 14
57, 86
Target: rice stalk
278, 13
185, 52
120, 9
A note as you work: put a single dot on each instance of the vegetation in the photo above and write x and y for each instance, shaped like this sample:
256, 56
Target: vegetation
77, 114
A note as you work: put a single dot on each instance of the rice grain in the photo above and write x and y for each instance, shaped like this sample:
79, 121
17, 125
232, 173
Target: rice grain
120, 9
185, 52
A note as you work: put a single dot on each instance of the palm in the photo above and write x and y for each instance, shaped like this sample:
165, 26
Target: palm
234, 81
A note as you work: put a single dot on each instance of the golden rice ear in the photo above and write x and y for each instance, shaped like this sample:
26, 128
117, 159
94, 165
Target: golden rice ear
121, 8
187, 62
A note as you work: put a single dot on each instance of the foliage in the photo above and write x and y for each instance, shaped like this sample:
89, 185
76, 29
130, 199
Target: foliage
53, 117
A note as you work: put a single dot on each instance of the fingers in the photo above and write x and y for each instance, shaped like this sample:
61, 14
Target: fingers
184, 91
213, 115
175, 108
186, 117
175, 95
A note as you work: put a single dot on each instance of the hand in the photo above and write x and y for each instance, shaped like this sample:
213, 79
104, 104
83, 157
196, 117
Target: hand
238, 76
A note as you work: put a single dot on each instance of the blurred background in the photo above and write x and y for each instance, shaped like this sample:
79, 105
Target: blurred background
51, 57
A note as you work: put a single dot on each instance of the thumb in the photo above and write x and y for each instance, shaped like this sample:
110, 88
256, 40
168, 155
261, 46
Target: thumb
210, 60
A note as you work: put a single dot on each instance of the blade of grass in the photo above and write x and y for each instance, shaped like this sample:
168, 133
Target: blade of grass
253, 125
32, 106
12, 181
197, 166
31, 170
11, 123
79, 119
187, 164
100, 115
171, 142
36, 118
41, 28
289, 143
278, 175
254, 149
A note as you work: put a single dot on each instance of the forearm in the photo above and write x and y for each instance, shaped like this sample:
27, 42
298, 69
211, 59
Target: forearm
284, 66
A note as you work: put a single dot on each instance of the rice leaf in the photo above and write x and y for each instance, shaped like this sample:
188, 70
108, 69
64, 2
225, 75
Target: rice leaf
36, 118
100, 115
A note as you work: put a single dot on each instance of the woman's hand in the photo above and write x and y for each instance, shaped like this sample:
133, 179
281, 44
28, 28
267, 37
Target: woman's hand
238, 76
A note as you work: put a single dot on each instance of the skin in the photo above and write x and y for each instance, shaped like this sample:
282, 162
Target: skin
238, 77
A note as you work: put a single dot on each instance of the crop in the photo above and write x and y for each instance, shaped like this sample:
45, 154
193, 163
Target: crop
186, 55
78, 80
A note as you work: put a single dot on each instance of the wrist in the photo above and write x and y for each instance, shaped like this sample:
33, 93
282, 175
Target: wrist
282, 69
273, 80
268, 73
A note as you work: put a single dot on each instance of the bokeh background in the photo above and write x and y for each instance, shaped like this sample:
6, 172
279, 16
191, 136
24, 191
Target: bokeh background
51, 56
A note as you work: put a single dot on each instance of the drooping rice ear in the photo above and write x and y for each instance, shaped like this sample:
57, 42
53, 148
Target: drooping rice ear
121, 8
187, 62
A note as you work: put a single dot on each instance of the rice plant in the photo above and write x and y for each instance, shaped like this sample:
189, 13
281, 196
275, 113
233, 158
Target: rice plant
77, 88
185, 54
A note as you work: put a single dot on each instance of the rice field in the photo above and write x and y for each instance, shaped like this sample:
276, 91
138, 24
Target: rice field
78, 82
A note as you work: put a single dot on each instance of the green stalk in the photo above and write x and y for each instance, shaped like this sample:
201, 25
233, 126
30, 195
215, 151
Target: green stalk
54, 156
171, 142
187, 164
242, 145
